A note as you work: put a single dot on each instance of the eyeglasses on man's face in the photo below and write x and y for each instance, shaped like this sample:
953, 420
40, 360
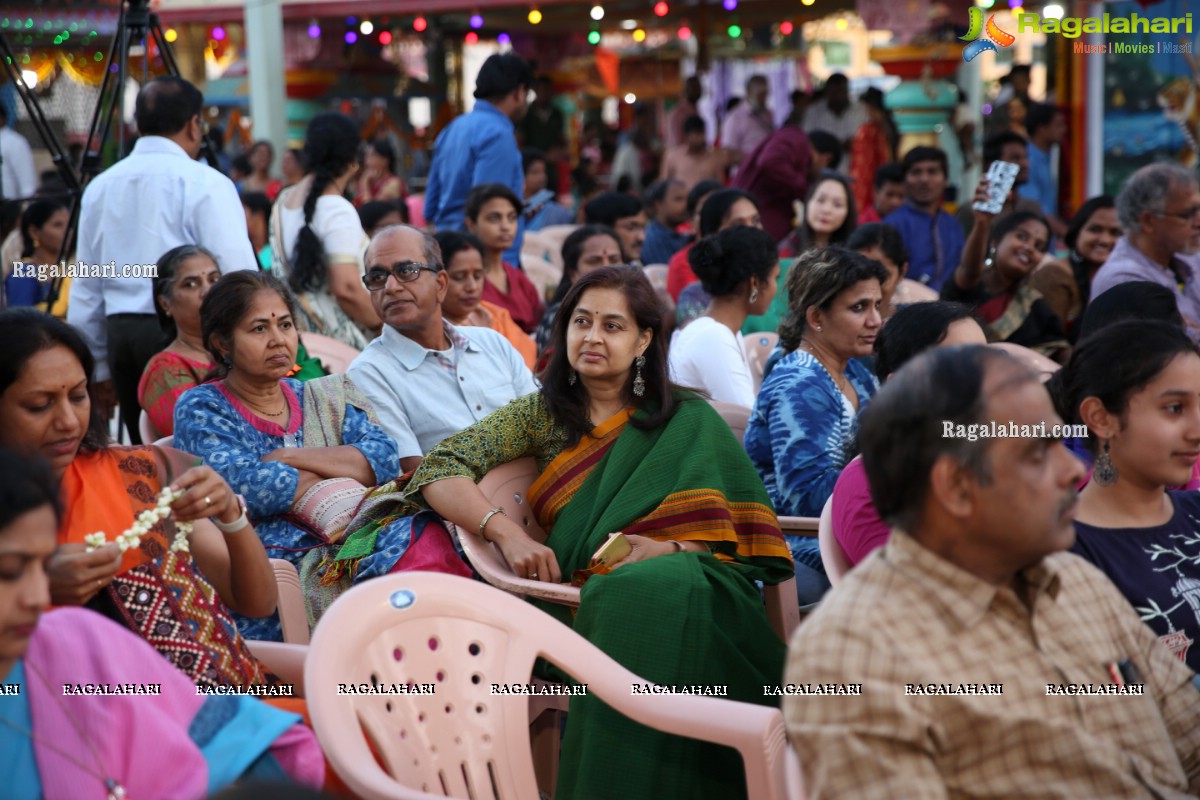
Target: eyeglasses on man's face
403, 271
1187, 214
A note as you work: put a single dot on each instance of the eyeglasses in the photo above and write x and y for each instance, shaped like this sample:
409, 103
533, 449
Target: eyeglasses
1187, 214
404, 272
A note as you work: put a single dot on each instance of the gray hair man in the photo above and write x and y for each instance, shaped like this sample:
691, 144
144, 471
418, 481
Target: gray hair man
426, 378
1159, 208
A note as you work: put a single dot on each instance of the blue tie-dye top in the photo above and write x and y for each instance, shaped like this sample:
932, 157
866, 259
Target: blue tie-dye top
802, 430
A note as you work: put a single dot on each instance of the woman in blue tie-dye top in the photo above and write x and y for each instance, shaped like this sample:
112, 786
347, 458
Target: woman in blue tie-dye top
802, 430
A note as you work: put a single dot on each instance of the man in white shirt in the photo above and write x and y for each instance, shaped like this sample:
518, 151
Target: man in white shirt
157, 198
837, 114
426, 378
18, 179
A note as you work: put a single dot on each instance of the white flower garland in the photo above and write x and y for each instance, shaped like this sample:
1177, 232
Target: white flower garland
132, 538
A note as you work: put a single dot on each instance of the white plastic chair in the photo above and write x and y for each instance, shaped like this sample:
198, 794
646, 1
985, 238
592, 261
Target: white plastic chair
146, 428
832, 555
460, 636
1042, 365
735, 416
334, 355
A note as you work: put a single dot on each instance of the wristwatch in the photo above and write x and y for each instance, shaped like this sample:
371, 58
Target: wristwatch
241, 522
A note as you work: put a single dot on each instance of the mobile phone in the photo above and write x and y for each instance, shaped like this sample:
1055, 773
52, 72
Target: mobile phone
613, 551
1001, 176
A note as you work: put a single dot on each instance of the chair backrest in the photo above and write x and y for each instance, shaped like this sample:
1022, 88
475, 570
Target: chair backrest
758, 349
832, 555
544, 247
507, 487
557, 234
416, 210
334, 355
735, 416
910, 291
657, 275
449, 640
293, 618
541, 272
1042, 365
166, 441
146, 428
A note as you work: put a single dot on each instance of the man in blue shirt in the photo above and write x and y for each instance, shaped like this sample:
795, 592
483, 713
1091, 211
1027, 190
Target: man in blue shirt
481, 147
1046, 126
934, 238
666, 201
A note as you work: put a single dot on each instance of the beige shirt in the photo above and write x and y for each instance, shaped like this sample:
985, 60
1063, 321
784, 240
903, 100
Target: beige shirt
906, 616
691, 168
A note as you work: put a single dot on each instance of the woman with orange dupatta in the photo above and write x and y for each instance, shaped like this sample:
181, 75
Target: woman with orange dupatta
175, 595
620, 449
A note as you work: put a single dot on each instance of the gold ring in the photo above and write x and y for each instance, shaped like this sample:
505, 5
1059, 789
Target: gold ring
208, 500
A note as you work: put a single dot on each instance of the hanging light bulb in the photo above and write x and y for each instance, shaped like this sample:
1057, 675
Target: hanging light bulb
597, 12
476, 21
385, 37
639, 35
471, 38
786, 27
504, 38
419, 24
735, 31
661, 9
314, 31
171, 34
535, 16
594, 37
684, 33
630, 98
366, 28
729, 5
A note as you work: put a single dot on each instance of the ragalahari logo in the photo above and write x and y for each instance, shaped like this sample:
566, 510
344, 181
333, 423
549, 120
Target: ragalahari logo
979, 42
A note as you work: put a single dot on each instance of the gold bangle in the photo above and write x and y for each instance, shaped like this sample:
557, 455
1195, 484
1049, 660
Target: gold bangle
487, 518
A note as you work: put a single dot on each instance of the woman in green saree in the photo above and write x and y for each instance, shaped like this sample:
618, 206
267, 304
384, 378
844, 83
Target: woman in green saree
619, 448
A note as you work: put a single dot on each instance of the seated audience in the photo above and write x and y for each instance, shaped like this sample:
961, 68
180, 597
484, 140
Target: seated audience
801, 432
379, 214
1159, 209
620, 449
586, 248
914, 329
998, 287
1065, 284
934, 238
974, 596
666, 202
185, 274
427, 378
541, 208
679, 271
625, 215
889, 194
276, 440
258, 221
317, 241
177, 599
464, 303
881, 242
723, 209
829, 217
491, 215
739, 269
42, 226
1136, 385
175, 743
379, 180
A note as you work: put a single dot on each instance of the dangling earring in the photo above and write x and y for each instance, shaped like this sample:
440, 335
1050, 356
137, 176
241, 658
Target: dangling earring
37, 243
754, 295
572, 378
639, 383
987, 262
227, 360
1104, 471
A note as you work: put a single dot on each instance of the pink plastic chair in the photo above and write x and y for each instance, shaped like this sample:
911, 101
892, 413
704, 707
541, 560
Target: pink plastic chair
735, 416
416, 210
293, 619
1042, 365
334, 355
832, 555
283, 659
461, 637
758, 349
146, 428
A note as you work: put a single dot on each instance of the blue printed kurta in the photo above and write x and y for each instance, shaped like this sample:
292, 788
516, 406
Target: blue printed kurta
233, 443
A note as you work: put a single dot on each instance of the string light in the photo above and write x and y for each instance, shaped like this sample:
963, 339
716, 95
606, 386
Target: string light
471, 38
218, 33
808, 2
630, 98
535, 16
786, 28
729, 5
735, 31
419, 24
314, 31
639, 35
385, 37
171, 34
841, 24
504, 38
366, 28
661, 9
597, 12
684, 33
594, 37
351, 37
476, 21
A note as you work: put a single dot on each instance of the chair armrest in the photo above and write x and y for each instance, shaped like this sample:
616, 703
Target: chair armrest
285, 660
800, 526
490, 565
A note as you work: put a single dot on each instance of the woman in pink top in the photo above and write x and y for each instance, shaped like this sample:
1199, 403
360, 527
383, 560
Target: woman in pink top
913, 329
491, 215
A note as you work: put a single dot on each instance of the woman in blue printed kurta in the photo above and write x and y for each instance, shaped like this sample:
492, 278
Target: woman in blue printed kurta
801, 432
251, 427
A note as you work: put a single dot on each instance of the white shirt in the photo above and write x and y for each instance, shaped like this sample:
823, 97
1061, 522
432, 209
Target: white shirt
707, 355
423, 396
819, 117
18, 179
153, 200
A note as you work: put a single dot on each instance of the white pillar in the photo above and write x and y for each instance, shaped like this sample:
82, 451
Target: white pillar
970, 78
264, 55
1094, 106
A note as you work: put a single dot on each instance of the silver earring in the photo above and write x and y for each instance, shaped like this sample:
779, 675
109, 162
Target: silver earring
753, 296
1104, 471
639, 383
818, 328
572, 378
987, 262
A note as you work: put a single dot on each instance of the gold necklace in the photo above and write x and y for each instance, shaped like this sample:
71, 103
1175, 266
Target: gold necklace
111, 785
839, 380
245, 400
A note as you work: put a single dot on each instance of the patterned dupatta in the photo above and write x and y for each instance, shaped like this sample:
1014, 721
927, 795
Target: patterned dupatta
1007, 312
157, 594
674, 482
